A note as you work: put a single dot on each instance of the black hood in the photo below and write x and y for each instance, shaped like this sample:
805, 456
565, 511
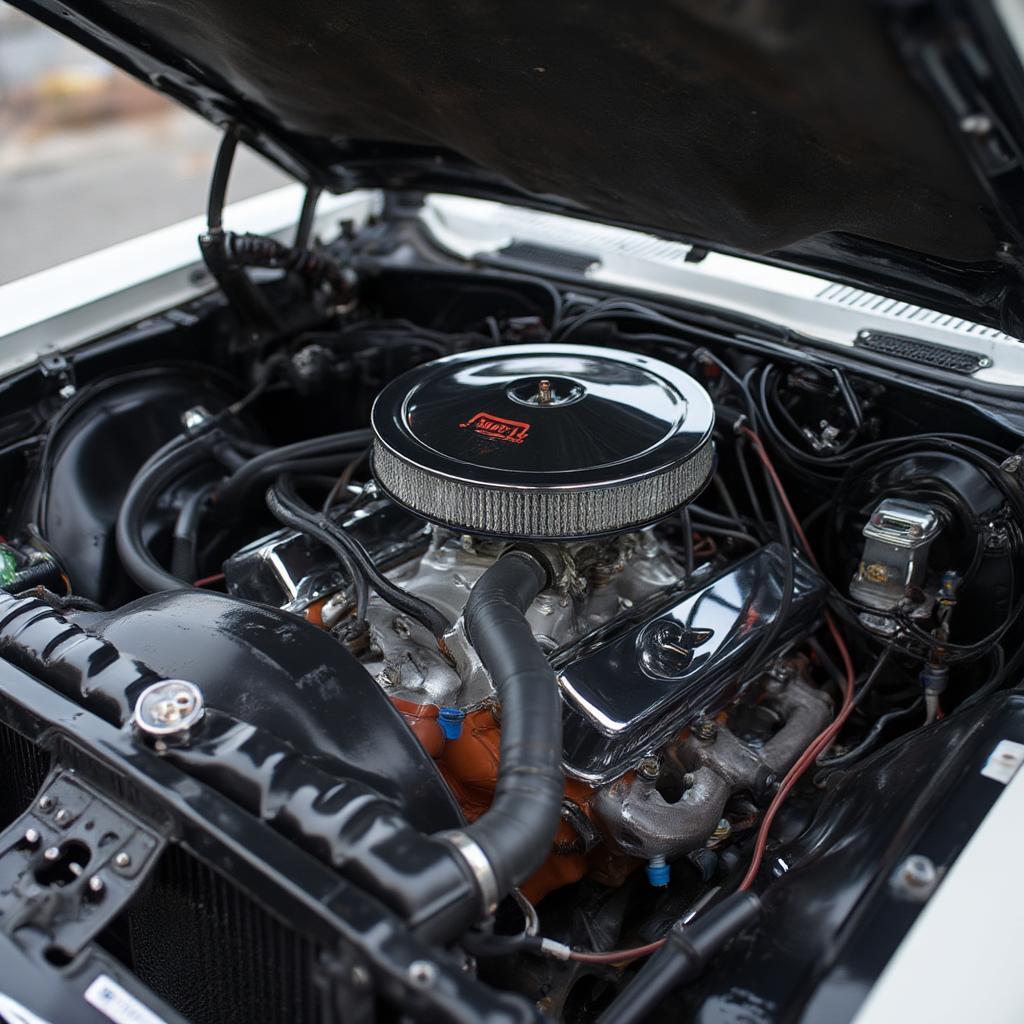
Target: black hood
874, 143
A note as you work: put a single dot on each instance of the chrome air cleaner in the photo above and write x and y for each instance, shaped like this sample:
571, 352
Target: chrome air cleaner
543, 442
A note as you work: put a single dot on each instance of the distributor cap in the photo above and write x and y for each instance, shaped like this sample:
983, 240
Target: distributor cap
541, 442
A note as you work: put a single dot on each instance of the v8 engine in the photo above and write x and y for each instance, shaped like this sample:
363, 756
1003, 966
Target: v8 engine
566, 457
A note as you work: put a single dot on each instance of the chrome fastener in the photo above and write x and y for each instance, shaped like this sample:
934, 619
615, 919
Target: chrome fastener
422, 973
916, 878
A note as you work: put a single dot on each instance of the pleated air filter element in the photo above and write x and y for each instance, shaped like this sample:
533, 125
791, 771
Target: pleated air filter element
539, 442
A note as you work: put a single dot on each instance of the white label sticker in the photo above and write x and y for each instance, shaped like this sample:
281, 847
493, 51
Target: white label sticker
118, 1003
1003, 762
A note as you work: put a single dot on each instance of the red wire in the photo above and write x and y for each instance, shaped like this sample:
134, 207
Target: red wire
824, 739
618, 955
816, 747
207, 580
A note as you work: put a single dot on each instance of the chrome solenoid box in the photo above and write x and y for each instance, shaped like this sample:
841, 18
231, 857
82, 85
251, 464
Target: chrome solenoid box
893, 566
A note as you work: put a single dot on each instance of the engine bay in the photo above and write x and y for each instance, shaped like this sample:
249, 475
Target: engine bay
567, 627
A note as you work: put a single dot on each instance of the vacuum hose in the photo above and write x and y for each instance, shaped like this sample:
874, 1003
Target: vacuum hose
516, 832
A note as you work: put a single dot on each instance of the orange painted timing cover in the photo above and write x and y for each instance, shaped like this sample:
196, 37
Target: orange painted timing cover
469, 765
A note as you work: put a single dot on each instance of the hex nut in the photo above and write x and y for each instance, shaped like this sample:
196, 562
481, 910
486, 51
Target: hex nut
422, 973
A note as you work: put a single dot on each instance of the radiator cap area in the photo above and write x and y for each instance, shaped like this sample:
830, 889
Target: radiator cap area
543, 442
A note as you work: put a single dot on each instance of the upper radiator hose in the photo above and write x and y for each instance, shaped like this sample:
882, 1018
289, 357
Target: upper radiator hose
516, 832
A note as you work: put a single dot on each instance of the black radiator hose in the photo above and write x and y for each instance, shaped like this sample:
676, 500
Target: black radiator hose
516, 832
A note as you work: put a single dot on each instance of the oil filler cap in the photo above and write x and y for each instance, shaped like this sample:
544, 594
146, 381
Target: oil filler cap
541, 442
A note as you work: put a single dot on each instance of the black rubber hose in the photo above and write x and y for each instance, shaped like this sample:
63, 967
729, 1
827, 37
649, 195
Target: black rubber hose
289, 517
274, 460
167, 465
46, 573
866, 745
516, 832
186, 533
687, 950
283, 497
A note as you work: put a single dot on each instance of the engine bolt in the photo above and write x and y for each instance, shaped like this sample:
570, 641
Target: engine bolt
62, 817
31, 836
705, 729
96, 885
51, 854
649, 767
916, 878
422, 973
658, 872
45, 803
122, 860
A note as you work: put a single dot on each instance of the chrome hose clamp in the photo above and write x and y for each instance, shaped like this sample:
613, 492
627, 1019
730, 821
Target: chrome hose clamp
476, 860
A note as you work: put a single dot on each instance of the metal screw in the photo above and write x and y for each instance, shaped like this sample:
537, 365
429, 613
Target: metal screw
122, 860
916, 878
649, 767
96, 885
51, 854
45, 803
422, 973
194, 418
31, 836
705, 729
976, 124
62, 817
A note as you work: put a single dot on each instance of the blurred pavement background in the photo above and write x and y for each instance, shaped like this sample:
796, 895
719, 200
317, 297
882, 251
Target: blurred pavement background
90, 157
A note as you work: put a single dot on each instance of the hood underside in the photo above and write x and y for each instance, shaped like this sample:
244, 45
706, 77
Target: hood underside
792, 129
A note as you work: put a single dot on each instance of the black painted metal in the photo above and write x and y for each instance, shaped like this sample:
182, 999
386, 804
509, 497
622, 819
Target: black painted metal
326, 804
262, 864
278, 673
809, 179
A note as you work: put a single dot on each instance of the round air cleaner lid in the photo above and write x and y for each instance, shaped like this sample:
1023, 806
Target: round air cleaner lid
543, 442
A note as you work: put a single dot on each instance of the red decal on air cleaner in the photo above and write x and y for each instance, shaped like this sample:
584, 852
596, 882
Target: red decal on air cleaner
497, 427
